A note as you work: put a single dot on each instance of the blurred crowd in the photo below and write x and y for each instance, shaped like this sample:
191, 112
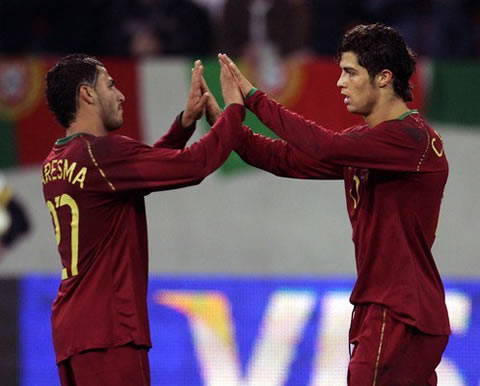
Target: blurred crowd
435, 28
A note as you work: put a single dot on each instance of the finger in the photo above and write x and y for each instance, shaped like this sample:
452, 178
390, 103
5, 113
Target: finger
197, 80
197, 70
233, 67
225, 76
204, 85
203, 101
192, 82
231, 64
222, 67
236, 74
225, 59
196, 67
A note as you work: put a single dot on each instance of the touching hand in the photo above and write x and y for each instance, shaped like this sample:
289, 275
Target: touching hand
243, 83
230, 90
197, 100
213, 110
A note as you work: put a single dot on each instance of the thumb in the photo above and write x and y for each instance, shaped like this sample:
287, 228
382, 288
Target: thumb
203, 101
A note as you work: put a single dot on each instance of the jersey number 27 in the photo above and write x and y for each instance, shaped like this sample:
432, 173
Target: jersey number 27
66, 200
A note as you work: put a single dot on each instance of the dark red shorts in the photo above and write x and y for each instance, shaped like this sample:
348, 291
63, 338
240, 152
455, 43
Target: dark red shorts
118, 366
389, 352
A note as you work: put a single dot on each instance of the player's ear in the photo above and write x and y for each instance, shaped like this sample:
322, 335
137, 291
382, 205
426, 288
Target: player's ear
85, 94
384, 78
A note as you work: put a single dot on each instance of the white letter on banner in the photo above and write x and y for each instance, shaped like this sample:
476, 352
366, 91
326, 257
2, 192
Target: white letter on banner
331, 364
282, 327
331, 360
210, 320
459, 311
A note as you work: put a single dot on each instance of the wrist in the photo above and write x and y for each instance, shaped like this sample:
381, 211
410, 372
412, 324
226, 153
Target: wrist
184, 121
252, 91
212, 117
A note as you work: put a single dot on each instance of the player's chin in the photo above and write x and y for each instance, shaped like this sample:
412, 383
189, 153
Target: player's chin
355, 110
352, 109
115, 125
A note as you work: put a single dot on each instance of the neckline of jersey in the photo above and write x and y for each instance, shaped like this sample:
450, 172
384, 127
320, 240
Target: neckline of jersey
64, 140
406, 114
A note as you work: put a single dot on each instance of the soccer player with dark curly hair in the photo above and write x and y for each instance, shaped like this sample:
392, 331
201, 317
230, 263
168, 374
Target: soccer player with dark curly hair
94, 186
394, 170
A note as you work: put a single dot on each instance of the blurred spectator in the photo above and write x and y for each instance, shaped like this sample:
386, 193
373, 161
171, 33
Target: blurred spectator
286, 26
56, 27
18, 25
452, 29
331, 18
82, 26
437, 28
214, 7
167, 27
13, 218
406, 16
476, 26
215, 10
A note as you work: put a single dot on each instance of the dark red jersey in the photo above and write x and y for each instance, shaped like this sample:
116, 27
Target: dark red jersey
94, 188
394, 174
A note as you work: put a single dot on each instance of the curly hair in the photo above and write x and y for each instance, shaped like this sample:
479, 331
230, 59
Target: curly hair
63, 82
379, 47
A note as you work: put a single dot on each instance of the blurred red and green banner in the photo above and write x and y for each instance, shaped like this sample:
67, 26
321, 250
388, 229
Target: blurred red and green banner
156, 91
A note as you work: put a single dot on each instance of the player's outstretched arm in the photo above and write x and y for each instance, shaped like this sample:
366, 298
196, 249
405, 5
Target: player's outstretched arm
291, 127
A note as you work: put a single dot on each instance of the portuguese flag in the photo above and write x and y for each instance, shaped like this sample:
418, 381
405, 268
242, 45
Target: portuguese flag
27, 128
156, 91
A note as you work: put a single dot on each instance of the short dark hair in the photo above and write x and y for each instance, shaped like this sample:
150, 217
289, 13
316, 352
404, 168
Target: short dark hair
379, 47
63, 82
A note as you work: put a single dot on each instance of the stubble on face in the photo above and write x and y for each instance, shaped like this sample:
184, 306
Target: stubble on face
110, 101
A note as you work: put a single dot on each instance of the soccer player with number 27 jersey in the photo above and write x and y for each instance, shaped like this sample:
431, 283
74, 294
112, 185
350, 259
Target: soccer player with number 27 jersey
94, 186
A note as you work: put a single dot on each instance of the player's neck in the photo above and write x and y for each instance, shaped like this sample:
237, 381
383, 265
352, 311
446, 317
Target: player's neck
88, 124
386, 110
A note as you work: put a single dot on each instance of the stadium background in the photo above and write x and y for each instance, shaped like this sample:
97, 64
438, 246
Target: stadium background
250, 274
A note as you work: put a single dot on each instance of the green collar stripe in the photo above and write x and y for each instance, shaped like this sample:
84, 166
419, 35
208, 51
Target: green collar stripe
63, 141
404, 115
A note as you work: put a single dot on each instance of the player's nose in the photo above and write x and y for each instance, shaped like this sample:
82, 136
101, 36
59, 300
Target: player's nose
121, 97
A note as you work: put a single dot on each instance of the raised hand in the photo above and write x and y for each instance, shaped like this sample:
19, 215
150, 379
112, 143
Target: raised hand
230, 90
243, 83
213, 110
197, 100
